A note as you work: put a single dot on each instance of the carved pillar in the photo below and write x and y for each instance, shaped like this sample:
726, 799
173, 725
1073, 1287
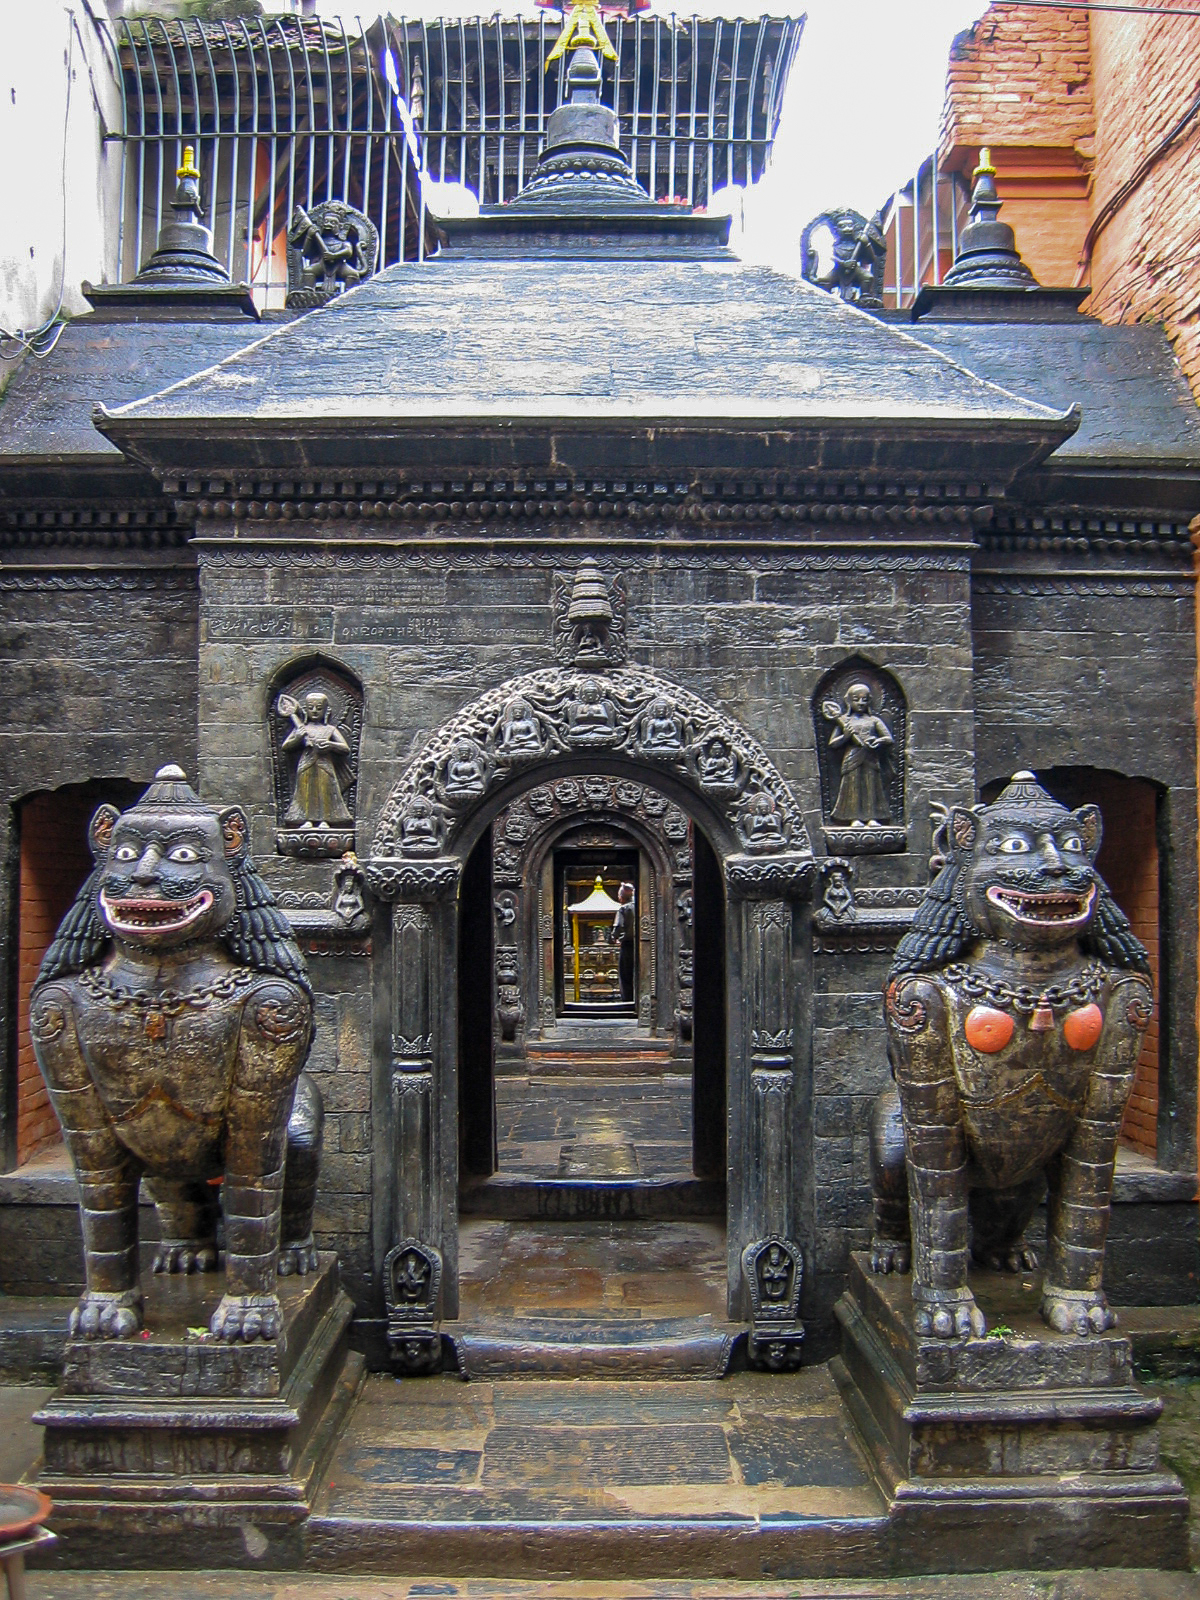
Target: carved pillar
765, 1261
420, 1267
412, 1067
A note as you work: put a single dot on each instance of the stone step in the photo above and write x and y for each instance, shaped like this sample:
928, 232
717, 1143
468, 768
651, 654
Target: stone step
745, 1477
595, 1347
601, 1062
515, 1198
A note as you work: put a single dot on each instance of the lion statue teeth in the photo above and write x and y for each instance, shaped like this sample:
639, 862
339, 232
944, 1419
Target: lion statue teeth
171, 1019
1015, 1011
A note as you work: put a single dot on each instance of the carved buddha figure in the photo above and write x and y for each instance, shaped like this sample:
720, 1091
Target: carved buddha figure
591, 718
865, 739
421, 827
659, 732
519, 731
1015, 1012
466, 771
717, 766
762, 825
320, 750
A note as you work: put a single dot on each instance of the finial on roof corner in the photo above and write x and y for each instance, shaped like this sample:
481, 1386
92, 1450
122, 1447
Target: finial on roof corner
988, 257
583, 29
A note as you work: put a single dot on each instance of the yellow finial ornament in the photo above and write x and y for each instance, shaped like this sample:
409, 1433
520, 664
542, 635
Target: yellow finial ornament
583, 29
985, 167
189, 169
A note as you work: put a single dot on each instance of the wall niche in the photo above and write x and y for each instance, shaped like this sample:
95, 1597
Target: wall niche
861, 716
315, 717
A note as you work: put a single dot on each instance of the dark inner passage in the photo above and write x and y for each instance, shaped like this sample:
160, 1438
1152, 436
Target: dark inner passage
593, 1101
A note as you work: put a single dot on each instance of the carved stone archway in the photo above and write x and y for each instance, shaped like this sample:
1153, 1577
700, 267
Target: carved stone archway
631, 723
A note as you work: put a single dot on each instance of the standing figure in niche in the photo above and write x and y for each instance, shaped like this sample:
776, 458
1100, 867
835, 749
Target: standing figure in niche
623, 935
861, 795
317, 800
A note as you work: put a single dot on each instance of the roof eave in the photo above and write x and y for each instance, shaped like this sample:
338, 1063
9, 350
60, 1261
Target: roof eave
994, 449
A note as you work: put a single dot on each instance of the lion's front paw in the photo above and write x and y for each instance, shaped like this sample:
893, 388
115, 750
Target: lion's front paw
104, 1315
186, 1255
298, 1257
1075, 1311
1015, 1257
956, 1318
247, 1317
890, 1255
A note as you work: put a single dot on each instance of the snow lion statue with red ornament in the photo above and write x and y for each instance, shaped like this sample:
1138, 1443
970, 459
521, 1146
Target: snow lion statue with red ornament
1015, 1011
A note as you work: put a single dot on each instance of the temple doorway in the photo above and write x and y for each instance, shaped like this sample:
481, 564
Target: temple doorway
593, 1108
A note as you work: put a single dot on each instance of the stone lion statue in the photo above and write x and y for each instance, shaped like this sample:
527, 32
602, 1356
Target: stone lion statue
1015, 1011
171, 1018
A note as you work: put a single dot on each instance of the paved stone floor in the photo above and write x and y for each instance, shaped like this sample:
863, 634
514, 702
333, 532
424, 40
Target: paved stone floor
1140, 1585
749, 1446
602, 1126
592, 1269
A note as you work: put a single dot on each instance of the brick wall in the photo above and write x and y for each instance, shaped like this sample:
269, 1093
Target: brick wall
1070, 106
54, 862
1019, 78
1021, 83
1146, 262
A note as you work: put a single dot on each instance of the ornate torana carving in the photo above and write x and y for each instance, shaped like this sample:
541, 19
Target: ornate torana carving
330, 248
1015, 1011
626, 712
317, 728
860, 716
173, 978
853, 262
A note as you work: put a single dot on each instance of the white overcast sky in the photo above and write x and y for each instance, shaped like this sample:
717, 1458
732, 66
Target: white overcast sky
861, 110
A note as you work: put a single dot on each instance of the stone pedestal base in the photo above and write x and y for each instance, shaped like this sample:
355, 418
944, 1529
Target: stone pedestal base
1028, 1449
176, 1450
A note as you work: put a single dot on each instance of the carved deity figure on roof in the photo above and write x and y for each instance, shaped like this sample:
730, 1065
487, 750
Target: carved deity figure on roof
321, 752
866, 739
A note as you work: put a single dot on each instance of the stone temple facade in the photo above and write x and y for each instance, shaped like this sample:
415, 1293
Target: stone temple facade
586, 554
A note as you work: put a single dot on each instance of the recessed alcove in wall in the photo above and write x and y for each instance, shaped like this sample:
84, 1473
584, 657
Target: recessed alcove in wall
1129, 864
54, 862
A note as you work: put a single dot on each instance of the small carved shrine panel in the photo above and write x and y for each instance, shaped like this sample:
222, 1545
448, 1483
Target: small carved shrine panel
316, 728
861, 716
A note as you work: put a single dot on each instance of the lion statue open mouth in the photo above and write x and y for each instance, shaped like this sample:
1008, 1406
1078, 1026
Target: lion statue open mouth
171, 1018
1015, 1011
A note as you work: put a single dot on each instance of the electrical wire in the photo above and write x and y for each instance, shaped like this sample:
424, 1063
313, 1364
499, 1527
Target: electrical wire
41, 340
1130, 10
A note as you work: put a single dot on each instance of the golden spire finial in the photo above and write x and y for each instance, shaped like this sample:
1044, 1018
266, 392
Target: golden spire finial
583, 29
985, 167
189, 169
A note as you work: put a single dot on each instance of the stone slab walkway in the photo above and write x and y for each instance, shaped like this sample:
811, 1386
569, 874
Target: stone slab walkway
1125, 1585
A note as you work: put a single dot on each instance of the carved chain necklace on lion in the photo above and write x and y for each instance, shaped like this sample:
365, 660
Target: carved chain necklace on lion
166, 1002
1084, 988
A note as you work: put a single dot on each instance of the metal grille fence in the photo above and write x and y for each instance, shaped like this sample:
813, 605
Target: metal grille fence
291, 110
